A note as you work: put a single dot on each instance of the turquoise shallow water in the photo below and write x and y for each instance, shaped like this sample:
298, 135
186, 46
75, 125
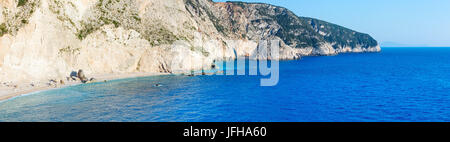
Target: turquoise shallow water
398, 84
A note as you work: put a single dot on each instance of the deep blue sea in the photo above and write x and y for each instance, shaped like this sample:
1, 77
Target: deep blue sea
398, 84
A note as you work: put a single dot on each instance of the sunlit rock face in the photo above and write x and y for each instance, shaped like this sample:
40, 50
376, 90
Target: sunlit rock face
47, 39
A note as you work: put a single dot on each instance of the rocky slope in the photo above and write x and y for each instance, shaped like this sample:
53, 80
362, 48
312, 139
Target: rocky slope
48, 39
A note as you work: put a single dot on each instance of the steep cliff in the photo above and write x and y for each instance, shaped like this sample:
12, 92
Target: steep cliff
46, 39
307, 36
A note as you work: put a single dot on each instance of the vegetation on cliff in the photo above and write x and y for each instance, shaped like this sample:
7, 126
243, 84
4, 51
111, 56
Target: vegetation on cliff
124, 13
295, 31
14, 20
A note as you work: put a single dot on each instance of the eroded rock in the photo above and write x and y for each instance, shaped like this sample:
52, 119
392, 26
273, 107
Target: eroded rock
82, 76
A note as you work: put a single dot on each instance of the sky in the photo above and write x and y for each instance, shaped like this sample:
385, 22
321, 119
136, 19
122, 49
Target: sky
390, 22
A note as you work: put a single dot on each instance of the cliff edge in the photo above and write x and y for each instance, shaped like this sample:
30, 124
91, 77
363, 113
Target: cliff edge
48, 39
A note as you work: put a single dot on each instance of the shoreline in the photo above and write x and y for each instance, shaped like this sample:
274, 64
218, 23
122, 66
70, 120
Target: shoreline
7, 93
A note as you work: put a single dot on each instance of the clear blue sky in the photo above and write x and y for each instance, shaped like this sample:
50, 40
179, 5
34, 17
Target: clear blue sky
409, 22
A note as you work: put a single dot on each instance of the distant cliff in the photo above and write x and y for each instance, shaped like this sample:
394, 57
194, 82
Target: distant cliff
45, 39
264, 21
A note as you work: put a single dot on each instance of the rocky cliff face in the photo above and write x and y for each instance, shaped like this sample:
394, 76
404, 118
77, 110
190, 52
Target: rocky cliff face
300, 36
44, 39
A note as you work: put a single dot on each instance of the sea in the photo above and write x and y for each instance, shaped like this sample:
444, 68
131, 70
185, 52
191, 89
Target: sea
396, 85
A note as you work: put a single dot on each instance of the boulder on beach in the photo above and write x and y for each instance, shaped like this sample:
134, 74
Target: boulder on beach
81, 76
52, 82
73, 74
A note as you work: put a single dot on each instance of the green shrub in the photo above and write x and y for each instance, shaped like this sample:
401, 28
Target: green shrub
3, 29
22, 3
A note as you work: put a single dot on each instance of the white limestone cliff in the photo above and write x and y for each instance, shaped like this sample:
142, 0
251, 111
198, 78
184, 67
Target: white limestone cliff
48, 39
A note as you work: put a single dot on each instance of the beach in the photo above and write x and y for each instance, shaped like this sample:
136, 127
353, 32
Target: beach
11, 90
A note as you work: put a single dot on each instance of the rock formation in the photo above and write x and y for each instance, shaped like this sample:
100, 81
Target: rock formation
43, 39
82, 76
